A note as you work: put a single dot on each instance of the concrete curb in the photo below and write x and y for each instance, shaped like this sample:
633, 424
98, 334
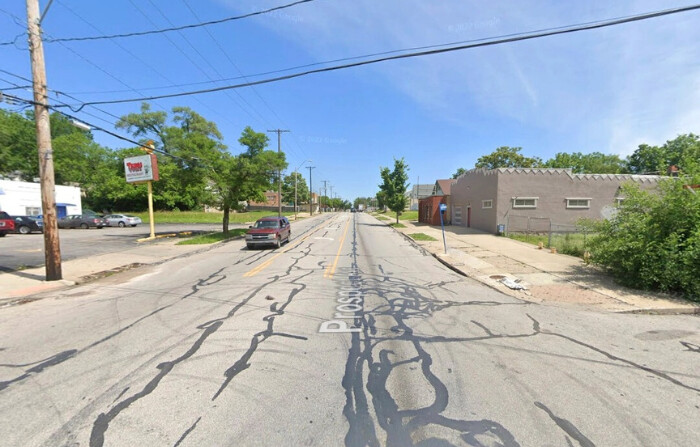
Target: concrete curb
667, 311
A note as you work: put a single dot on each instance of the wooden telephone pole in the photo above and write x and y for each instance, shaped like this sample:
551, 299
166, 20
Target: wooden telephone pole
279, 173
52, 247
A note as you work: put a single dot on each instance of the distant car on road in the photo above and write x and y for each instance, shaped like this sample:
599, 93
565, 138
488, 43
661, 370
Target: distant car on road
122, 220
27, 224
7, 225
271, 230
84, 221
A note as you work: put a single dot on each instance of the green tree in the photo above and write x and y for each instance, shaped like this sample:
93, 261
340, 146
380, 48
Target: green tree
255, 142
653, 242
381, 200
244, 177
683, 152
458, 172
302, 189
647, 160
18, 152
146, 124
394, 186
593, 163
507, 157
192, 146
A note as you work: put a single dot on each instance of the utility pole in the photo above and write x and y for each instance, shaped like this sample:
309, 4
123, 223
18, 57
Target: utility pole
279, 173
325, 189
311, 192
52, 247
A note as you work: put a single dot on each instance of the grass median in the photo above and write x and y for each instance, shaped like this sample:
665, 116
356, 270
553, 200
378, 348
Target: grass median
202, 217
421, 237
210, 238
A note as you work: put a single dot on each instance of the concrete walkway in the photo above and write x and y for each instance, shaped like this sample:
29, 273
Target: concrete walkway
544, 276
22, 283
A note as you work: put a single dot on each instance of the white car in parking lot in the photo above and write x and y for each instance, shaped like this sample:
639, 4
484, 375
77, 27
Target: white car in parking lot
122, 220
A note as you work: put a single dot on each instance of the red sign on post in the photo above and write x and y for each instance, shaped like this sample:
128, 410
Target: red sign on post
142, 168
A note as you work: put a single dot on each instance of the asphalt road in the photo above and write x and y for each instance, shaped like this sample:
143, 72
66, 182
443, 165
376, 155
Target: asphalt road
27, 250
349, 335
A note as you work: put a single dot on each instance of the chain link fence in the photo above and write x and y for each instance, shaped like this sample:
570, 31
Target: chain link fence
566, 238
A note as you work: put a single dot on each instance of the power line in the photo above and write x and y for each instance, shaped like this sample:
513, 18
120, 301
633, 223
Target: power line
364, 56
529, 36
211, 66
166, 30
255, 91
141, 61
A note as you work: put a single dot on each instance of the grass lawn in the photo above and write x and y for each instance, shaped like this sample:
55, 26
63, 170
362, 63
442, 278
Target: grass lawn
397, 225
210, 238
202, 217
409, 215
382, 217
421, 237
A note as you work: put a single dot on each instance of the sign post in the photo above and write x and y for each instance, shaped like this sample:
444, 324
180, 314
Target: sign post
140, 169
443, 207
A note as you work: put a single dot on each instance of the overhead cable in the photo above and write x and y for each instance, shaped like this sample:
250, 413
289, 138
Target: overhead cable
499, 41
174, 28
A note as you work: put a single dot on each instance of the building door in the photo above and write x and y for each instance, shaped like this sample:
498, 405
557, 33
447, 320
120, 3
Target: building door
61, 211
469, 216
457, 215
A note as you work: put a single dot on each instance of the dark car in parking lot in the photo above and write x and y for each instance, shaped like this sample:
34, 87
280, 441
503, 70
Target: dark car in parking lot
271, 230
7, 224
84, 221
28, 224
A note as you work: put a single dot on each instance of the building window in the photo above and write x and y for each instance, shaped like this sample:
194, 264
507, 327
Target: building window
32, 210
486, 204
525, 202
578, 203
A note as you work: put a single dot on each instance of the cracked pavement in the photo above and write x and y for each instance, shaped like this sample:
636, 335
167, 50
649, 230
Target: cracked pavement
224, 347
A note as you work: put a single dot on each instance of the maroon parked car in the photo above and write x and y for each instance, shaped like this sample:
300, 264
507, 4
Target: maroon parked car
269, 231
7, 225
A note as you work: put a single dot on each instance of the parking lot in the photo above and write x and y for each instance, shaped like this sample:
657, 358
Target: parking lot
19, 251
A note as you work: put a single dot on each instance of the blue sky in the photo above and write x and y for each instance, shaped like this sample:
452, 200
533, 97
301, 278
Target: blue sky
604, 90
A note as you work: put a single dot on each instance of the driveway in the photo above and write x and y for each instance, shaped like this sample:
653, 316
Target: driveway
20, 251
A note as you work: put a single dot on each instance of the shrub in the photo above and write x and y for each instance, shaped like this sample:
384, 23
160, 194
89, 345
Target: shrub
653, 242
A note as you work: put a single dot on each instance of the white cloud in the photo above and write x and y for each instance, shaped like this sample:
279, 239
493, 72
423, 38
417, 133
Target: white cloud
614, 87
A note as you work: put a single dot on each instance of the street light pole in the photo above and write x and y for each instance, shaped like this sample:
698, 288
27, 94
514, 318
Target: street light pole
52, 247
279, 173
311, 192
296, 180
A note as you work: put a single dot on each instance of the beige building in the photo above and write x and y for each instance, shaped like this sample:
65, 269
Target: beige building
485, 199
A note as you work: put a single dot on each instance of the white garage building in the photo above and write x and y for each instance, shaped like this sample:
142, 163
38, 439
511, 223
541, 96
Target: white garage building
24, 199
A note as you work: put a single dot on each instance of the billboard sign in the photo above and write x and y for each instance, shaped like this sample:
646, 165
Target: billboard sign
141, 169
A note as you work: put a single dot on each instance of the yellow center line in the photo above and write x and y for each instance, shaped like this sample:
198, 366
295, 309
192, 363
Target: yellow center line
331, 267
257, 269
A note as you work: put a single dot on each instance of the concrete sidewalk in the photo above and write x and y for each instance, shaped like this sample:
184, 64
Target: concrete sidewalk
545, 276
20, 284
